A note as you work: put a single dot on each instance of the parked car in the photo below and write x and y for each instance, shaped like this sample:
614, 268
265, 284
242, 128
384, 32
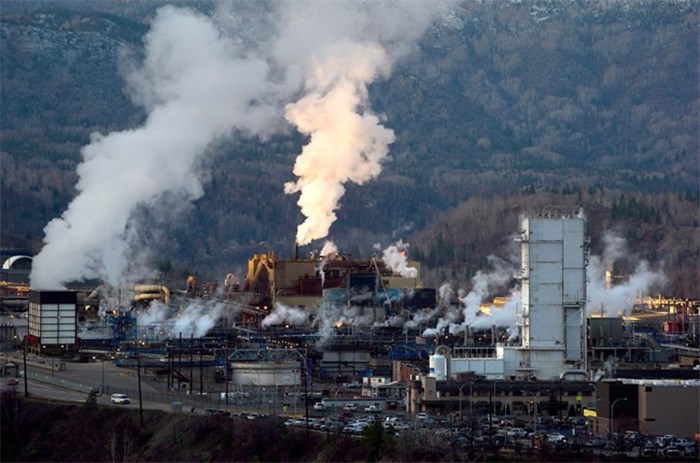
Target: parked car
516, 433
556, 438
373, 409
649, 450
319, 406
120, 399
597, 442
12, 382
355, 428
350, 407
688, 450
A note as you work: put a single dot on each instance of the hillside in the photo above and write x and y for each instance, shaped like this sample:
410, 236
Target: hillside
662, 229
499, 98
32, 430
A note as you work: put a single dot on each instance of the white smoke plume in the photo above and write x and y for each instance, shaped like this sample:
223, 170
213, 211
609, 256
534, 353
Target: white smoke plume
283, 314
501, 317
330, 316
347, 142
197, 85
469, 313
329, 249
351, 44
614, 301
394, 256
195, 318
444, 311
620, 298
615, 247
204, 78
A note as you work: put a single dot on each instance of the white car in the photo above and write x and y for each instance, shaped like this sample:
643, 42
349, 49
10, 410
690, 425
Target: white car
350, 407
120, 399
556, 438
319, 406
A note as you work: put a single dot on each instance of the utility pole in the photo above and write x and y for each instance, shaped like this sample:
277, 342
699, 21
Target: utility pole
179, 363
24, 355
226, 372
191, 359
306, 392
170, 368
559, 406
490, 420
201, 378
138, 373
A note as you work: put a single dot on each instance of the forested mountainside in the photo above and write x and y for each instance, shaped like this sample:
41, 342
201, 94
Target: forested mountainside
659, 228
502, 104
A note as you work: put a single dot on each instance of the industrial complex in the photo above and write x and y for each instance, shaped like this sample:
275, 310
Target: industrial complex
538, 352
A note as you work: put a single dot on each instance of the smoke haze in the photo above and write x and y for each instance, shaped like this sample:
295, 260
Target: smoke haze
282, 313
197, 86
204, 78
618, 299
394, 256
344, 47
193, 319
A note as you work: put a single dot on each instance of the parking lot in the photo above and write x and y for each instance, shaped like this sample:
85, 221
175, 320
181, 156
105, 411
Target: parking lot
495, 435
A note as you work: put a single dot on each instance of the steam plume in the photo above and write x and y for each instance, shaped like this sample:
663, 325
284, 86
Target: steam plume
483, 283
194, 319
394, 256
283, 313
618, 299
196, 85
355, 44
347, 142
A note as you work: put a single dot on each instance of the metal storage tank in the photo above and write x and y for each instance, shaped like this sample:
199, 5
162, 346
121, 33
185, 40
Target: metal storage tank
438, 367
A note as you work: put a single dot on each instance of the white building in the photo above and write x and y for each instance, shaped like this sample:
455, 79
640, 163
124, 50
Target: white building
52, 321
551, 317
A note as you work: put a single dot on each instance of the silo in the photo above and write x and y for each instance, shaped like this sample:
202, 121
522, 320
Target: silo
438, 367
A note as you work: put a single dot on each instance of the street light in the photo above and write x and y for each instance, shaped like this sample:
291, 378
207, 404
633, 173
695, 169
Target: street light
612, 413
535, 407
460, 400
506, 411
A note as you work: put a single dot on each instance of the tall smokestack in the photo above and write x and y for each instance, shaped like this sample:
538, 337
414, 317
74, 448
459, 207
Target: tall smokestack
608, 278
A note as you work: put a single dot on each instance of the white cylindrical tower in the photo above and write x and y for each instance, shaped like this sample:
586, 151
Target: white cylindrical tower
438, 367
